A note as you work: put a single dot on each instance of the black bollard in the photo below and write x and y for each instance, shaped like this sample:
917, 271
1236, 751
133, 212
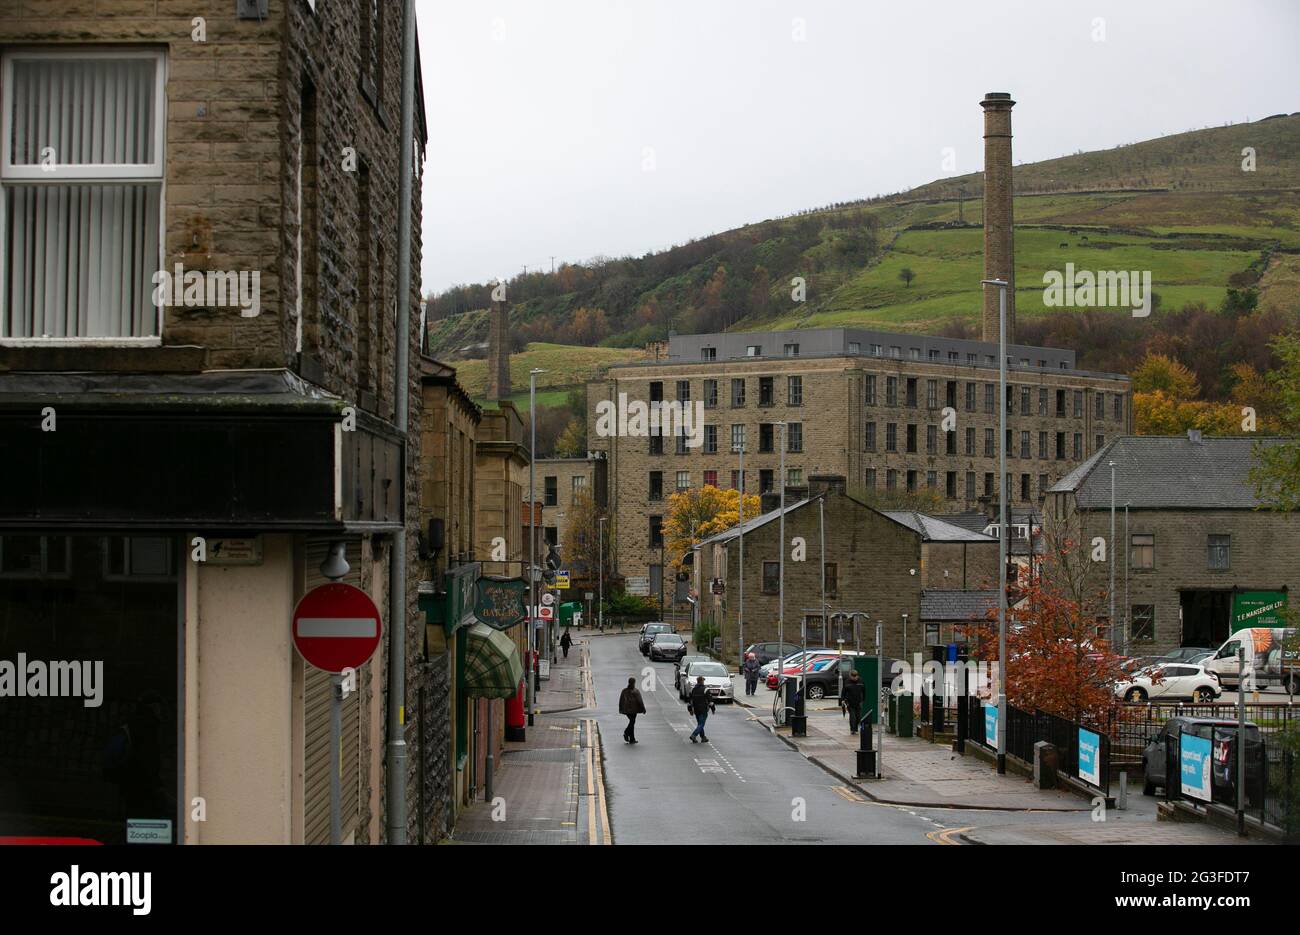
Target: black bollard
866, 755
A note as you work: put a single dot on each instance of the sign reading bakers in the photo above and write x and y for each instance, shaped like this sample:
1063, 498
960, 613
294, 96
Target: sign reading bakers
336, 627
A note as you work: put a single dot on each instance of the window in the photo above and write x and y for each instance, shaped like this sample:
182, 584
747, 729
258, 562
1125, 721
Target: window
989, 396
1060, 404
970, 485
656, 532
139, 558
656, 391
911, 481
891, 436
931, 394
791, 350
1060, 446
656, 485
372, 49
931, 439
950, 394
877, 350
1100, 442
970, 397
736, 480
708, 353
832, 579
911, 392
1011, 400
766, 434
766, 397
36, 557
891, 391
1142, 622
794, 391
1142, 551
855, 347
1042, 445
765, 479
954, 357
950, 442
1078, 446
737, 393
988, 443
988, 483
577, 482
1024, 487
754, 350
656, 444
710, 439
680, 439
683, 480
1220, 548
1078, 404
1119, 408
794, 437
683, 391
1024, 446
932, 354
1025, 406
911, 438
891, 479
771, 577
895, 351
710, 394
869, 439
1100, 408
1042, 485
794, 477
1042, 401
871, 389
552, 485
737, 437
972, 359
970, 442
98, 116
871, 478
950, 485
931, 480
1010, 447
913, 353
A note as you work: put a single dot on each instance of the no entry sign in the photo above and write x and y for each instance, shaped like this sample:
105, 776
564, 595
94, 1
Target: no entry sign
336, 627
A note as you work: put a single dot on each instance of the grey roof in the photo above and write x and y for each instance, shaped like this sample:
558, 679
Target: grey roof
957, 605
934, 529
1168, 472
751, 524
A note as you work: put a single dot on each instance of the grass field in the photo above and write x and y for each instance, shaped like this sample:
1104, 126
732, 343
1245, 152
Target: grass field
566, 366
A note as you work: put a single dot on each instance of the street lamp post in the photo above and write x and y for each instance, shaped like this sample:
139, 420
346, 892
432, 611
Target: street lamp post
600, 607
780, 618
532, 539
1116, 635
740, 614
1002, 520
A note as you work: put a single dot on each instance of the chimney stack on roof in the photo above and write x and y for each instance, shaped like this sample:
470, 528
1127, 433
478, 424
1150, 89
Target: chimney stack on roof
999, 238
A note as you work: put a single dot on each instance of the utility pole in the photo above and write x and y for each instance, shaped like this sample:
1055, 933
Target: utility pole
1117, 635
532, 539
1002, 521
600, 607
740, 618
780, 619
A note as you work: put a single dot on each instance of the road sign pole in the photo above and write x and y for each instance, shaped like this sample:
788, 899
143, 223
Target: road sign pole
336, 758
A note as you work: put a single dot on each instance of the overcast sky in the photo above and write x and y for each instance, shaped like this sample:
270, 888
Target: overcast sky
572, 128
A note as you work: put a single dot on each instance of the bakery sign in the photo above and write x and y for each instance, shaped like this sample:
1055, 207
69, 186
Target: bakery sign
501, 603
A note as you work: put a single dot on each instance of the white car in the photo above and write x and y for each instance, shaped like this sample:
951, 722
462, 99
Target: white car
717, 680
1170, 680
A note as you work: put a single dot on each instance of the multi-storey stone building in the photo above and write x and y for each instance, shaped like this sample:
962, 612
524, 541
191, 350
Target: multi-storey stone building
560, 481
865, 405
1198, 552
192, 451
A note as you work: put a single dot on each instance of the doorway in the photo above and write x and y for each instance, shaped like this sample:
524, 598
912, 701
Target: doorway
1205, 617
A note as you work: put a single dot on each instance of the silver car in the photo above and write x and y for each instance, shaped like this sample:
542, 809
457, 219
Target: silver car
717, 680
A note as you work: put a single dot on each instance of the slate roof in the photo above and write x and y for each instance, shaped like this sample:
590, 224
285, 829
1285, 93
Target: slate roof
1168, 472
934, 529
956, 605
751, 524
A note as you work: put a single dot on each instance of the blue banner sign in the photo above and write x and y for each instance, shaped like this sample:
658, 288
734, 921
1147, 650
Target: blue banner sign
1089, 757
1194, 766
991, 725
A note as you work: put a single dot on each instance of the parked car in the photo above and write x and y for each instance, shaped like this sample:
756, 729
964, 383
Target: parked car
648, 633
1185, 654
1169, 681
766, 652
1268, 655
667, 647
717, 680
682, 663
791, 662
1154, 767
814, 661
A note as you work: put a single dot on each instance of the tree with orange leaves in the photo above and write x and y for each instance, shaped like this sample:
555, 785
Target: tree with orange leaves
696, 513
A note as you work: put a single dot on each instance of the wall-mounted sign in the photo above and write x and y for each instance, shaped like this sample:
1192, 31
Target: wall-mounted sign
1194, 766
637, 584
562, 580
501, 603
235, 551
1089, 757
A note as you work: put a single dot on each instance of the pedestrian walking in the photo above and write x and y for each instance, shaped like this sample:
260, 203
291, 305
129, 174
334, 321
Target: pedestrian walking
631, 704
854, 694
701, 706
565, 642
750, 671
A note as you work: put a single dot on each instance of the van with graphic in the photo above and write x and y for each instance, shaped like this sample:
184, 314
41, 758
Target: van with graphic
1272, 656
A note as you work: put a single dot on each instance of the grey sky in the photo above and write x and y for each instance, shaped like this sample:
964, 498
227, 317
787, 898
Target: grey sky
544, 115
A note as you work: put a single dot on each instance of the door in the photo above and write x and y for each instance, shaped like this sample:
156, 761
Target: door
1225, 660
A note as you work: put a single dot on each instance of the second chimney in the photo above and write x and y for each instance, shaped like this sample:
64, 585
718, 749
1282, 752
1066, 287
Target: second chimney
999, 242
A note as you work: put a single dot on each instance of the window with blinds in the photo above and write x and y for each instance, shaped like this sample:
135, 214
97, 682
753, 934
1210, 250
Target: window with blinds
81, 184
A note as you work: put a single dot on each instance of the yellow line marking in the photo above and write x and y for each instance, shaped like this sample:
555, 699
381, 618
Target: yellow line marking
600, 790
844, 792
593, 832
945, 836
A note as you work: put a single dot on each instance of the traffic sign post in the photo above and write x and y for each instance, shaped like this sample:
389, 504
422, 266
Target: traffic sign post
336, 628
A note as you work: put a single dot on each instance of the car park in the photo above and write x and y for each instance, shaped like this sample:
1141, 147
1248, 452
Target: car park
667, 647
1221, 733
648, 633
1185, 654
682, 663
1169, 682
717, 680
766, 652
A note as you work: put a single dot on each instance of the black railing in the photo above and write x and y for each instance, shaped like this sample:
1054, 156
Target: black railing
1024, 729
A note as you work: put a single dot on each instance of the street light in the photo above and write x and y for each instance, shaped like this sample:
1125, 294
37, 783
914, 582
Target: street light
1116, 635
1002, 520
780, 618
740, 614
600, 608
532, 537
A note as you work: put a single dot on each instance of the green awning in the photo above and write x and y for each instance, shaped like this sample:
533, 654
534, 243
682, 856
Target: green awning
492, 665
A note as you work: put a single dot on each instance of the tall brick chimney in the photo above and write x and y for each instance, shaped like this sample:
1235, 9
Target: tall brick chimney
498, 383
999, 236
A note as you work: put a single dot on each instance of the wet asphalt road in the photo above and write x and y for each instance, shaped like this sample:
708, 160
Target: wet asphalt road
745, 787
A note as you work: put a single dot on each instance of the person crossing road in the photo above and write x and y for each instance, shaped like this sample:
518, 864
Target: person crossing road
701, 705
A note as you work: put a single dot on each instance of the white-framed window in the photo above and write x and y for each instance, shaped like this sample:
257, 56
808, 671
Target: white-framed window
82, 135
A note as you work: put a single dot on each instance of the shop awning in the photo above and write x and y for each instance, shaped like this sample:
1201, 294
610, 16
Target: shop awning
492, 665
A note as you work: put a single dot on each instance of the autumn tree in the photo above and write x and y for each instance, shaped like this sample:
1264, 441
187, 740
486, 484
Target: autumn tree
696, 513
1277, 472
572, 442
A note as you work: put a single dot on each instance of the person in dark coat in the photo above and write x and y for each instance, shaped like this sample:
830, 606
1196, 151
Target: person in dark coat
701, 705
750, 671
854, 694
565, 642
631, 704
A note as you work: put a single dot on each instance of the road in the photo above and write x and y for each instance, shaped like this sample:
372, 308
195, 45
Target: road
745, 786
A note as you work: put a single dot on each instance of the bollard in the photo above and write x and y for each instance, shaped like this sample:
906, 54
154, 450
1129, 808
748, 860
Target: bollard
1122, 801
866, 755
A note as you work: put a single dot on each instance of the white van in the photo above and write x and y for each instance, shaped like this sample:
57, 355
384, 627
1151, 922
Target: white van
1273, 654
